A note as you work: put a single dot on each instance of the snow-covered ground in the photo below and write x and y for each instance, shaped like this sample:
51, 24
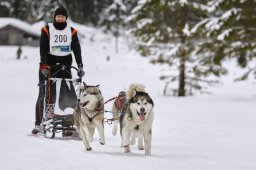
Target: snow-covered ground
203, 132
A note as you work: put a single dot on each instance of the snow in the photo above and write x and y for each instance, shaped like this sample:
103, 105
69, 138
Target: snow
5, 4
38, 25
114, 5
186, 30
18, 24
212, 132
213, 5
214, 24
198, 25
140, 5
224, 34
174, 50
200, 6
233, 11
183, 2
143, 22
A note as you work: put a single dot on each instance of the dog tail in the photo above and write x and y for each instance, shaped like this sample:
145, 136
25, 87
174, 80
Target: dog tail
135, 88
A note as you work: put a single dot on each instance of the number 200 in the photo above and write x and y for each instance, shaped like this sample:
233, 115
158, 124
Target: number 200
60, 38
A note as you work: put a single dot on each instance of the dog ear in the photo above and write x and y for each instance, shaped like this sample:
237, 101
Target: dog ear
150, 101
134, 93
121, 94
97, 87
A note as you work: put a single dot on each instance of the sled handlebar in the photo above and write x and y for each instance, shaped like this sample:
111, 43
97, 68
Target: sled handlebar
63, 67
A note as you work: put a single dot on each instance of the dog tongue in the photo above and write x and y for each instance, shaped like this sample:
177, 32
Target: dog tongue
142, 116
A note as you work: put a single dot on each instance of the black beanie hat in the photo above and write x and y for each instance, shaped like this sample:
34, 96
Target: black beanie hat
61, 11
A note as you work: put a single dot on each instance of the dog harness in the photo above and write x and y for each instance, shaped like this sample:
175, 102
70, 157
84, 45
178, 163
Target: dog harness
98, 110
91, 118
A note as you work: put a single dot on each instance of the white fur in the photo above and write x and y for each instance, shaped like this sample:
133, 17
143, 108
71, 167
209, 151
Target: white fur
133, 88
115, 127
91, 99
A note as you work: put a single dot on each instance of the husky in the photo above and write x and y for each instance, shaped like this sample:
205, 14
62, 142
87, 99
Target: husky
89, 114
136, 122
117, 109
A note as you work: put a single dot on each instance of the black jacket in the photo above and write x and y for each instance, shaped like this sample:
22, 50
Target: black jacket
47, 58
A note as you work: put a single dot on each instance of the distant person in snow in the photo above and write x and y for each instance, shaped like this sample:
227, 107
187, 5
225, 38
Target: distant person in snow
57, 41
19, 52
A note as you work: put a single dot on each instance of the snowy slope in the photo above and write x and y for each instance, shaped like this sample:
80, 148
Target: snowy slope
208, 132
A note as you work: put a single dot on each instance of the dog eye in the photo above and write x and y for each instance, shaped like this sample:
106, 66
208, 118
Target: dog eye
93, 93
138, 103
84, 95
145, 103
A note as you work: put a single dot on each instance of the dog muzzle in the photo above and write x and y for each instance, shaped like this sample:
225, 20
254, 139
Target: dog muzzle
83, 104
141, 115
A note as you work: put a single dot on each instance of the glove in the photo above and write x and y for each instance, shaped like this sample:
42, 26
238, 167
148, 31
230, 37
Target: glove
44, 68
80, 72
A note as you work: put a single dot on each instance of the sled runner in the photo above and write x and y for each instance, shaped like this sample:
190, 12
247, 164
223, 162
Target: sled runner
60, 97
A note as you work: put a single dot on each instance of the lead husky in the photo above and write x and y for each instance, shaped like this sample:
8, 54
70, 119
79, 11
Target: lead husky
137, 120
88, 114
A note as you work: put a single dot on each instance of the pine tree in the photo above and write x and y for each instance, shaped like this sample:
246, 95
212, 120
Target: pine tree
18, 9
48, 7
5, 8
163, 30
231, 29
39, 10
114, 20
34, 11
130, 5
81, 11
98, 10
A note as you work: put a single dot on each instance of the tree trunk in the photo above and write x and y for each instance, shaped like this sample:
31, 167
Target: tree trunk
116, 44
182, 68
181, 90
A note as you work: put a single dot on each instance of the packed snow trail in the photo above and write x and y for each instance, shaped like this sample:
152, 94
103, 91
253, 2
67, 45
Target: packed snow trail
213, 132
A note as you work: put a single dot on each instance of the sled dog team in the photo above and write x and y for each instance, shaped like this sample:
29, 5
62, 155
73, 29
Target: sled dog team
133, 110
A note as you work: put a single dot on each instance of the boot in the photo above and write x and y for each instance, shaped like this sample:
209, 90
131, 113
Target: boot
36, 130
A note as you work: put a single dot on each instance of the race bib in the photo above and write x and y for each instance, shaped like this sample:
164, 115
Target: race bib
60, 40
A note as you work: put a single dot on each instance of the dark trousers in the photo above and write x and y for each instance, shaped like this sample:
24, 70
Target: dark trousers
40, 99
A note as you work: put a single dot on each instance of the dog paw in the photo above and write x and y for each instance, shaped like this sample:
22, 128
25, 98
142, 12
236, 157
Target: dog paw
127, 149
102, 142
148, 153
89, 149
141, 147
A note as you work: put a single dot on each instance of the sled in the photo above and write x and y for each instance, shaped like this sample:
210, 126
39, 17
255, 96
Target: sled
58, 110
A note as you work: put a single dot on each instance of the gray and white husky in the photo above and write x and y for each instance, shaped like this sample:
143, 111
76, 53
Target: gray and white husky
117, 109
136, 122
89, 114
